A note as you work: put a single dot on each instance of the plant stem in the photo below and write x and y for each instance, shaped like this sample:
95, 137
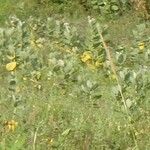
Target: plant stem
113, 68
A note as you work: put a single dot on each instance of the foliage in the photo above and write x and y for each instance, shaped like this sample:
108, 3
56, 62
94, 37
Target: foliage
104, 9
59, 90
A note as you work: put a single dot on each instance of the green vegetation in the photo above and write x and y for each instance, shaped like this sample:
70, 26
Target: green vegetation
74, 75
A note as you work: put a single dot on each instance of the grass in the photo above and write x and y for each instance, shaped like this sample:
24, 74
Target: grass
44, 105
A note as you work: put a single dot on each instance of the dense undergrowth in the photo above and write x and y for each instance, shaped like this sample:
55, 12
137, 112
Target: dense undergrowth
69, 85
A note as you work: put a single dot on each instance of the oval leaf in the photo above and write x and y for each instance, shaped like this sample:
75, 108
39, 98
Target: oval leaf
115, 8
66, 132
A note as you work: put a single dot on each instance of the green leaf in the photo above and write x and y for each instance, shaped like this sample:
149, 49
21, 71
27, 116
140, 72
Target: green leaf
115, 8
127, 77
89, 84
66, 132
141, 27
94, 2
121, 58
19, 144
128, 103
95, 7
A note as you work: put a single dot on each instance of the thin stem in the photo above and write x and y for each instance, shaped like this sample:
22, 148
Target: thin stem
113, 68
34, 139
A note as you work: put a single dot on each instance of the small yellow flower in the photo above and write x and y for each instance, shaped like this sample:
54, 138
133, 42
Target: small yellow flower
86, 56
10, 125
141, 46
11, 66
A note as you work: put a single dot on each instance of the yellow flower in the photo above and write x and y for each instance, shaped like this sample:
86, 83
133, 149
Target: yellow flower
141, 46
86, 56
11, 66
10, 125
